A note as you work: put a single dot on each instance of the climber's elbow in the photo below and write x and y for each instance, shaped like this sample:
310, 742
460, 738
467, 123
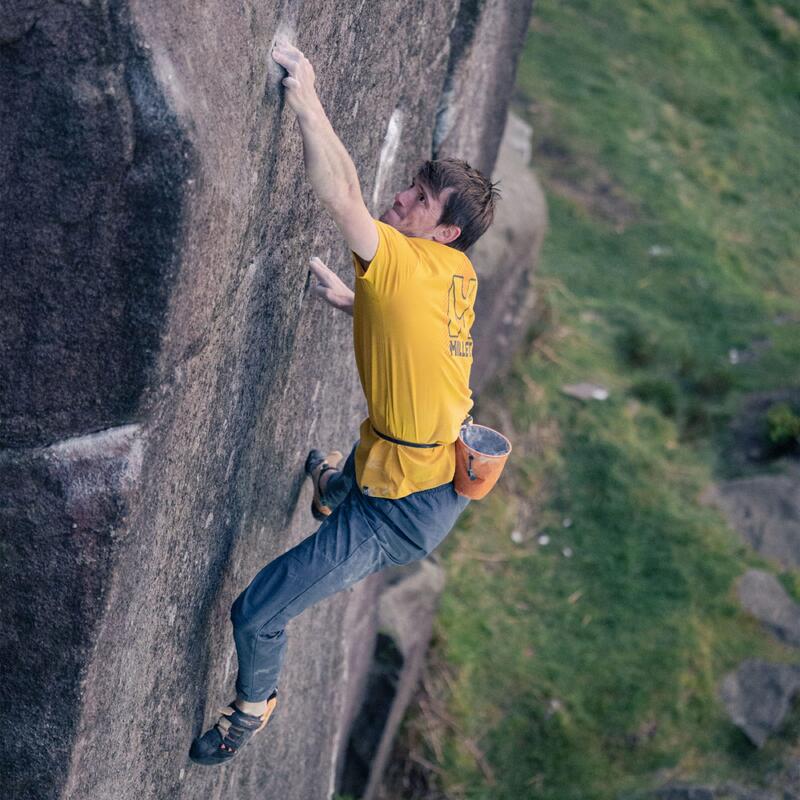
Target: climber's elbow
355, 223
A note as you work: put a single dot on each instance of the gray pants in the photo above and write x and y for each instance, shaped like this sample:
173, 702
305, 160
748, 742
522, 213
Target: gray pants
363, 535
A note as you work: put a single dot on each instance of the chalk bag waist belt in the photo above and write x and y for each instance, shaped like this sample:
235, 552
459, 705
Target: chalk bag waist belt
400, 441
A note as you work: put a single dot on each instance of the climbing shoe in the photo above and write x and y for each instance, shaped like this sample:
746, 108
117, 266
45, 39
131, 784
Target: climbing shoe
231, 733
317, 464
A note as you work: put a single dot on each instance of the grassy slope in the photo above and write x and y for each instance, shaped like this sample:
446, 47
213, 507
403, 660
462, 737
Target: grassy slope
657, 125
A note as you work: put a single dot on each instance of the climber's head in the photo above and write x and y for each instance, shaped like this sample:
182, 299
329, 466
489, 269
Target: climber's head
448, 201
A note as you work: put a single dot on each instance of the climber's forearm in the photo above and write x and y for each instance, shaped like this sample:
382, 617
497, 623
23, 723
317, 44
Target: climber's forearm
329, 168
347, 307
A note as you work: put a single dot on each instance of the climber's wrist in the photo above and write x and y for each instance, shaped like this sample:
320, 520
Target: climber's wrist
311, 115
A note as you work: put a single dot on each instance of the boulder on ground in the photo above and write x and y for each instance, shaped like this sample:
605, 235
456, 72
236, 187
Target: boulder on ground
726, 791
405, 616
757, 697
585, 391
765, 511
506, 257
762, 595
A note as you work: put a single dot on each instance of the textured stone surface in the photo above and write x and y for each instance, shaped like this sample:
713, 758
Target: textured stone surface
780, 784
757, 696
166, 369
765, 511
368, 728
762, 595
586, 391
91, 155
406, 612
727, 791
62, 520
472, 108
685, 792
506, 257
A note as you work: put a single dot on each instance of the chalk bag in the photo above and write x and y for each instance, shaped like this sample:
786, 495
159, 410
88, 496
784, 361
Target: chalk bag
481, 454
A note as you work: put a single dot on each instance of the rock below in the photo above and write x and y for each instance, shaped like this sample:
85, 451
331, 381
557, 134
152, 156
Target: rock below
762, 595
507, 256
685, 792
586, 391
727, 791
765, 511
406, 611
757, 697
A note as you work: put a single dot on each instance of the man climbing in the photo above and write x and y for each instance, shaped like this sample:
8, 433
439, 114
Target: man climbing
392, 501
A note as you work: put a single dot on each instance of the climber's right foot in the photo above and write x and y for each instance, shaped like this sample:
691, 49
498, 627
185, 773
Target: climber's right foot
233, 731
317, 464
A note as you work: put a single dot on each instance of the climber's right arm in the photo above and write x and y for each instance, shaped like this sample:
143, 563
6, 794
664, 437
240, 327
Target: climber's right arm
330, 169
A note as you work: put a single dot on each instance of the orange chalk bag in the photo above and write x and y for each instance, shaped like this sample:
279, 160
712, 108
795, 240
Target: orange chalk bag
481, 454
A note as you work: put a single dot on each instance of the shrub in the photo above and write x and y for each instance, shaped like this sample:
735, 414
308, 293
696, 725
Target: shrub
637, 345
704, 378
659, 392
697, 420
783, 427
714, 382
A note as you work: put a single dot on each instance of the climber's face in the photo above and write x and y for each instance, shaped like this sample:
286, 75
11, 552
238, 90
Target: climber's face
416, 211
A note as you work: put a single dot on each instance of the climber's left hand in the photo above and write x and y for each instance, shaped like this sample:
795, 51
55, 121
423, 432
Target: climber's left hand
300, 91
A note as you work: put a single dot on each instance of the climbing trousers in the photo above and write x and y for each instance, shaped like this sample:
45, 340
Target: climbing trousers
362, 535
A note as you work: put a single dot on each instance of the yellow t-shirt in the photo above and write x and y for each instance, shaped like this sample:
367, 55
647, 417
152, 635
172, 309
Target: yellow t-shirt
412, 314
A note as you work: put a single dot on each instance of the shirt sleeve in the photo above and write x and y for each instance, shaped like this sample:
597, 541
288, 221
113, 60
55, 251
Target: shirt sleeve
395, 261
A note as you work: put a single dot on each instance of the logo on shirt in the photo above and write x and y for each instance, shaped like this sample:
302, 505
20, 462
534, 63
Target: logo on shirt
460, 314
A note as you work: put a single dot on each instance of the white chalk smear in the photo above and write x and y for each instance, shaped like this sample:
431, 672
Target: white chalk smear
388, 155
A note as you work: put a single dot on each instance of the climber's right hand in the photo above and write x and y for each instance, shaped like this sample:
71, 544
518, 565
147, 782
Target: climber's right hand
330, 287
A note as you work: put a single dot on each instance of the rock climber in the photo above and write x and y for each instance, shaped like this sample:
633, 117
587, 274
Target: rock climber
393, 500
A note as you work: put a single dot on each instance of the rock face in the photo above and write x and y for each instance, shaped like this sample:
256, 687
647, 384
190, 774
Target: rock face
765, 511
781, 784
757, 696
405, 618
165, 368
508, 254
727, 791
763, 596
471, 111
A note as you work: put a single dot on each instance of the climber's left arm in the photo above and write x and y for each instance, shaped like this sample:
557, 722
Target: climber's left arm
330, 169
330, 287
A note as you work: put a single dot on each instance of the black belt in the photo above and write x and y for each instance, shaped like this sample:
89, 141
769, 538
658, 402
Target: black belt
400, 441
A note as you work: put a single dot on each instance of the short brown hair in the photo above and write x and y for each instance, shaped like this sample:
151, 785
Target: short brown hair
471, 204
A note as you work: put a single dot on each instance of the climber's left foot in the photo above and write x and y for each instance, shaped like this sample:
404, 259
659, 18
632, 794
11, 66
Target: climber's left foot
317, 464
231, 733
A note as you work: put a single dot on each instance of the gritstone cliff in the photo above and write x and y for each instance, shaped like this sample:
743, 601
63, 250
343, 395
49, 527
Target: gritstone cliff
165, 368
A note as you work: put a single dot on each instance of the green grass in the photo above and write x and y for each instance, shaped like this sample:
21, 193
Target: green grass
665, 137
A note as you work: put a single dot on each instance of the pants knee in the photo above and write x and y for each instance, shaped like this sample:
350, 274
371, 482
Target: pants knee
249, 625
243, 624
